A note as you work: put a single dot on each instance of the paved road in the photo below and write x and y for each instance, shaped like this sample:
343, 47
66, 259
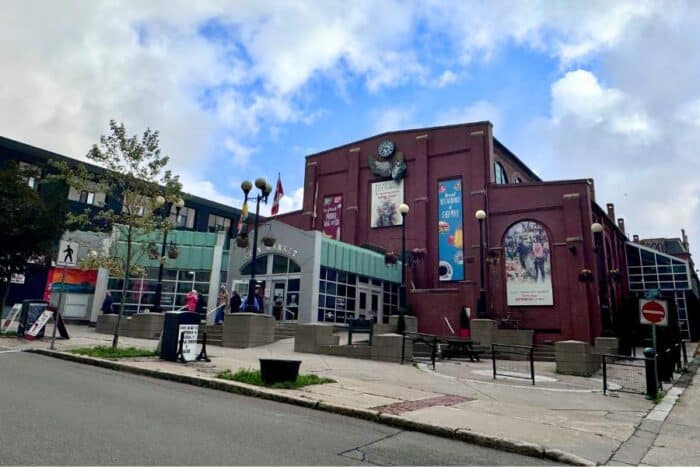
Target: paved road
57, 412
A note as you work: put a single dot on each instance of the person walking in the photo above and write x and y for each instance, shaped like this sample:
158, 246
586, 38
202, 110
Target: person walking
191, 300
107, 304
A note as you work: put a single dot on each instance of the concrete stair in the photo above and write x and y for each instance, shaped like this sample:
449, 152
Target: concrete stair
214, 334
544, 353
285, 330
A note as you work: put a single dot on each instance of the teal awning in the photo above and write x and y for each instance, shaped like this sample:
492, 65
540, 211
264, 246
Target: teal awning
353, 259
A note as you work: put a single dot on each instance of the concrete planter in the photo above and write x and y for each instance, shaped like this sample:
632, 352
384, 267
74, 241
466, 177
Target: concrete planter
242, 330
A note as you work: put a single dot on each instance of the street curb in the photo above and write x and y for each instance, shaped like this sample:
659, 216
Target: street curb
468, 436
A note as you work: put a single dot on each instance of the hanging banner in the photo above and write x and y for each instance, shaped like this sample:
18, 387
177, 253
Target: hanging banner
332, 216
450, 232
386, 198
528, 265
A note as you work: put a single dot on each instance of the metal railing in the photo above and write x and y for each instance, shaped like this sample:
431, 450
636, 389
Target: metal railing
623, 373
420, 352
513, 361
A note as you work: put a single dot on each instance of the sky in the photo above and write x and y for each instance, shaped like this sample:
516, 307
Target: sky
607, 90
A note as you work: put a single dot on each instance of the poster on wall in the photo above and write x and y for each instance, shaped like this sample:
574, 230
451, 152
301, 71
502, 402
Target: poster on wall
76, 281
528, 265
332, 212
386, 198
450, 232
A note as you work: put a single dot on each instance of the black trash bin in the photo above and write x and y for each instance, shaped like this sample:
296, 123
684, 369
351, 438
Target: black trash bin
31, 310
278, 371
175, 325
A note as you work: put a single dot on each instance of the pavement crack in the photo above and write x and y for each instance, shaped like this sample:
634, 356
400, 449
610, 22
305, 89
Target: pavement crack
359, 449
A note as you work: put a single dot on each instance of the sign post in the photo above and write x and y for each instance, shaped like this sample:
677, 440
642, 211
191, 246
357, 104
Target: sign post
67, 257
655, 313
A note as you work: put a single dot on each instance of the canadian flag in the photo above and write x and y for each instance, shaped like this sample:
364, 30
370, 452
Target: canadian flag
279, 193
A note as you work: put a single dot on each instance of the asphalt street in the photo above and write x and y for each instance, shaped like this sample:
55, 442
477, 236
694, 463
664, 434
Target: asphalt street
63, 413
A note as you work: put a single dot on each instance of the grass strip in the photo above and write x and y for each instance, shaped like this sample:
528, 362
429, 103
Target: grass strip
103, 351
250, 376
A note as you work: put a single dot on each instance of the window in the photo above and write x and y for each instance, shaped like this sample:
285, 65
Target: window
185, 218
217, 223
500, 176
87, 197
518, 180
31, 174
658, 270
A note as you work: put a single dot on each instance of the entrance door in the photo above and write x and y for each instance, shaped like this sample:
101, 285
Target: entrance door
369, 303
278, 292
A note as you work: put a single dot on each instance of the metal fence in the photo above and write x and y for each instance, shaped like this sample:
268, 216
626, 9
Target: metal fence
513, 361
623, 373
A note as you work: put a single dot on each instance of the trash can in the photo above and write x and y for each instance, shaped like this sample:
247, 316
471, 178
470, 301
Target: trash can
31, 310
176, 325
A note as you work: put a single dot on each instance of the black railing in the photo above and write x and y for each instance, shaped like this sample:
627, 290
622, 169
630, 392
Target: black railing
635, 375
432, 342
513, 361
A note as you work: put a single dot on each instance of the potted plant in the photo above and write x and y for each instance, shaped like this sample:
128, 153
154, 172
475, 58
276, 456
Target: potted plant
153, 252
269, 241
585, 275
173, 252
418, 255
241, 241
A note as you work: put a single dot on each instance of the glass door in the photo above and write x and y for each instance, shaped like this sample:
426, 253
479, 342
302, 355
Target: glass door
278, 292
369, 303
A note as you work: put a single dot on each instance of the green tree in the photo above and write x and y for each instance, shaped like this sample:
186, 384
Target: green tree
29, 224
135, 173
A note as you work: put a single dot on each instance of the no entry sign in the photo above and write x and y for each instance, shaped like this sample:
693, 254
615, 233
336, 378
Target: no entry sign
653, 312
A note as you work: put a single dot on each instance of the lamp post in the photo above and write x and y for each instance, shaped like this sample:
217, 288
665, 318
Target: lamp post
599, 250
481, 308
265, 190
403, 209
164, 208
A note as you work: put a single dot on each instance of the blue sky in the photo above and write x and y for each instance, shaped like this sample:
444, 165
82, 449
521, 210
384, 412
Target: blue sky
241, 88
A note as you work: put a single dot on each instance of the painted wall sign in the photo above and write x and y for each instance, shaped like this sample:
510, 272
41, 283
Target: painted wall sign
528, 265
450, 232
332, 216
386, 198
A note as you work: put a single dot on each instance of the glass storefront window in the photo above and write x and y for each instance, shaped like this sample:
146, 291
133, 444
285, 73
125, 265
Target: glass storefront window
279, 264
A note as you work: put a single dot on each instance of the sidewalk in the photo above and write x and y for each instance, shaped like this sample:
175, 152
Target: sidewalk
560, 413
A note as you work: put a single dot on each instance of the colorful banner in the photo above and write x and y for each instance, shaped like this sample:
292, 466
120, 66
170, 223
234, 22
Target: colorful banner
76, 281
332, 216
528, 265
450, 233
386, 198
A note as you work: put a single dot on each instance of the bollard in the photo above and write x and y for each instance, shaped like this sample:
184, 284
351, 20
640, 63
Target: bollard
650, 367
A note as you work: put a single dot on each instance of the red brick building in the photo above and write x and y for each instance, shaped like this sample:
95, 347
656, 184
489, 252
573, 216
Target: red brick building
541, 266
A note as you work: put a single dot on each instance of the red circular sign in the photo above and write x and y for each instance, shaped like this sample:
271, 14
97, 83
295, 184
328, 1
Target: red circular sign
653, 312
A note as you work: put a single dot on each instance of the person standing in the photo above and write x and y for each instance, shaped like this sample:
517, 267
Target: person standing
107, 304
221, 304
539, 254
191, 300
235, 302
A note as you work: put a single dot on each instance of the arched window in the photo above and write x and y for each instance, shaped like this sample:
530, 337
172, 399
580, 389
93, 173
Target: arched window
528, 265
260, 266
499, 174
280, 265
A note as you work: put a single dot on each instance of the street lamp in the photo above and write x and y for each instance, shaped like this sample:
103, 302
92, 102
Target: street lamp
265, 190
164, 208
597, 230
481, 308
403, 209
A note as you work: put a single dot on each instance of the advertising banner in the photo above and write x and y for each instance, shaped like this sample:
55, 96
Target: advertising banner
332, 216
386, 198
450, 232
528, 265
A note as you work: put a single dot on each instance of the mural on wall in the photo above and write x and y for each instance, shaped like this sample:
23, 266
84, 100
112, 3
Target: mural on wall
528, 265
450, 233
386, 198
76, 281
332, 216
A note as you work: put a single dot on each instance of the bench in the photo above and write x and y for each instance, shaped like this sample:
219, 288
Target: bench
360, 326
459, 348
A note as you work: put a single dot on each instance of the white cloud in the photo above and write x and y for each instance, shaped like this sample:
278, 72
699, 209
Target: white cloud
393, 118
447, 77
241, 154
476, 112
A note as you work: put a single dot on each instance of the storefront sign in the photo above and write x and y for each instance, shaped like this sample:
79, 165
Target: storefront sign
528, 265
450, 233
386, 198
279, 247
332, 212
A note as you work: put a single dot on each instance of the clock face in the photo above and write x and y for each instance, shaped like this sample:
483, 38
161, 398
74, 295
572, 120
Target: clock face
386, 148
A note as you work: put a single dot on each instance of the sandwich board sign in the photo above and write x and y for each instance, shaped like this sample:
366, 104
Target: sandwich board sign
653, 312
14, 314
67, 254
188, 334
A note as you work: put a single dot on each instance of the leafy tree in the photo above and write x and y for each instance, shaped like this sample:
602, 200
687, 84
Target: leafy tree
135, 173
29, 225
